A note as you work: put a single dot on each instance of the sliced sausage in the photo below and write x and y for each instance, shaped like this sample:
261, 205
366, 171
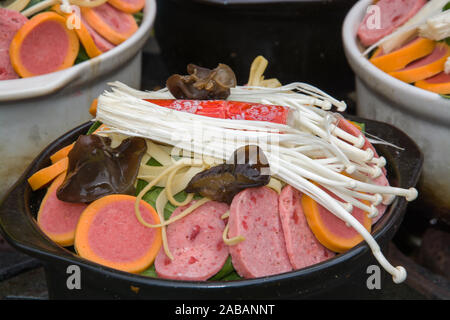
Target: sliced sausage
196, 244
254, 215
10, 22
102, 44
392, 14
302, 246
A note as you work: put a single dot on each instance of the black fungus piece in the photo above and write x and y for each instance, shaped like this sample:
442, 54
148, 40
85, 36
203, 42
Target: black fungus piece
96, 170
202, 83
247, 168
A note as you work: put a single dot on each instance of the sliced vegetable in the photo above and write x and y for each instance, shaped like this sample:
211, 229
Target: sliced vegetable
108, 233
439, 83
425, 67
83, 33
129, 6
47, 34
331, 231
58, 219
202, 83
46, 175
401, 57
62, 153
114, 25
93, 107
95, 127
115, 169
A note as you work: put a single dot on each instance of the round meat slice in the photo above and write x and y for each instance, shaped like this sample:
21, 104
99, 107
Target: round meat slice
196, 244
390, 14
302, 246
10, 22
254, 215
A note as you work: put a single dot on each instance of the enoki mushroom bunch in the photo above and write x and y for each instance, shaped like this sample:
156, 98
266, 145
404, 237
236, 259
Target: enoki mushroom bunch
310, 152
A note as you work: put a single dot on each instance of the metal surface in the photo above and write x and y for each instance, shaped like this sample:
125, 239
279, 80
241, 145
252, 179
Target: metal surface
423, 115
328, 279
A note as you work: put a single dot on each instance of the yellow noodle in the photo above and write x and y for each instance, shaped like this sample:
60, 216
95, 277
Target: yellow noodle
170, 195
184, 213
231, 241
275, 185
225, 215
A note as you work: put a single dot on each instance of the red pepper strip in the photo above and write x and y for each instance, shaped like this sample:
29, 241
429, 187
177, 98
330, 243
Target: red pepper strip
224, 109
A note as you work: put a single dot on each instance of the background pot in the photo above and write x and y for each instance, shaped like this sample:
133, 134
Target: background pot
35, 111
340, 277
423, 115
300, 38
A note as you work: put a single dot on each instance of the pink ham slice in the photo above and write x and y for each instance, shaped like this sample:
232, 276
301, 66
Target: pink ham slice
196, 244
254, 215
348, 127
393, 14
102, 44
10, 22
302, 246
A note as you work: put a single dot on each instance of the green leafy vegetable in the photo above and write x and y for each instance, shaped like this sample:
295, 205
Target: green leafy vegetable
226, 270
138, 16
446, 96
150, 272
232, 276
446, 7
94, 127
82, 55
362, 125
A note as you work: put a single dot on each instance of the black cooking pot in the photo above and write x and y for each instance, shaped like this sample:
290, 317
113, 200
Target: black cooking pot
300, 38
342, 276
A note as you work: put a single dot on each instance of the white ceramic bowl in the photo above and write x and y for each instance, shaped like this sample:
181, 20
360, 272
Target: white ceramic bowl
35, 111
423, 115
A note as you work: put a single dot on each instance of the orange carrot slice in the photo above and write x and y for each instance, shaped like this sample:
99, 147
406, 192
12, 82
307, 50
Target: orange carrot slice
401, 57
58, 219
332, 232
109, 233
425, 67
62, 153
114, 25
129, 6
439, 83
93, 107
43, 45
83, 34
45, 175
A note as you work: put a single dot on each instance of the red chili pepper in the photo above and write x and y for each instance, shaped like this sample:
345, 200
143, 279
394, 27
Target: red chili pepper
224, 109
